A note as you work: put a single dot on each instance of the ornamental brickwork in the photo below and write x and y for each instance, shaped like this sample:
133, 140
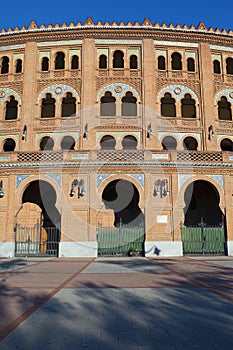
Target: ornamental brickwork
139, 111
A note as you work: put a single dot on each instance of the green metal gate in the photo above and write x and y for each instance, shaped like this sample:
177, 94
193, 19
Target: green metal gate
120, 241
36, 240
202, 239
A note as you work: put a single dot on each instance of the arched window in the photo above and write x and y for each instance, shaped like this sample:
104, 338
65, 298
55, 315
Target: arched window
75, 62
46, 143
169, 143
191, 64
129, 142
133, 62
168, 106
11, 109
226, 145
217, 67
107, 142
118, 59
176, 61
19, 66
188, 108
229, 65
108, 105
9, 145
103, 62
67, 143
45, 64
224, 109
129, 105
5, 65
161, 63
68, 105
48, 107
60, 60
190, 143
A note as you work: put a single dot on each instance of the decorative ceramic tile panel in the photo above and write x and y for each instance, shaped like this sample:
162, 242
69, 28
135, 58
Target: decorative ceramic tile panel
58, 90
118, 90
177, 92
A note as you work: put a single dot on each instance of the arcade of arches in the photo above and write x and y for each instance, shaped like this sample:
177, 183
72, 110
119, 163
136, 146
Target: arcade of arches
109, 124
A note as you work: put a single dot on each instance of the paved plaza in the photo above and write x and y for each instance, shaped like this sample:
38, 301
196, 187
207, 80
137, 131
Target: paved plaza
116, 303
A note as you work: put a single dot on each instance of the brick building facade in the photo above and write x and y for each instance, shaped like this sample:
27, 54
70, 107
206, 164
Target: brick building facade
115, 125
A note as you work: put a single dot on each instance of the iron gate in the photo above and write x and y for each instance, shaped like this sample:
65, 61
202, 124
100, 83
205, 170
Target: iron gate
202, 239
120, 241
36, 240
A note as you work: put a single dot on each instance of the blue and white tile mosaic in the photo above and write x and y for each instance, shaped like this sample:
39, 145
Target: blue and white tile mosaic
20, 179
6, 92
177, 92
57, 178
101, 178
58, 91
228, 93
118, 90
139, 178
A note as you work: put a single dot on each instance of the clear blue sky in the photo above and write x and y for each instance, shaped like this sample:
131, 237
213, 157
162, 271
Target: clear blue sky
213, 13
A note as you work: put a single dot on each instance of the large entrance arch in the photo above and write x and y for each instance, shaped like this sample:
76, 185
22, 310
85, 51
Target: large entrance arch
203, 231
123, 198
127, 236
202, 204
38, 235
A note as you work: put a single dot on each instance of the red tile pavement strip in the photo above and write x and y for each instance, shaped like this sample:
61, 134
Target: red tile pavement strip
129, 280
10, 327
195, 272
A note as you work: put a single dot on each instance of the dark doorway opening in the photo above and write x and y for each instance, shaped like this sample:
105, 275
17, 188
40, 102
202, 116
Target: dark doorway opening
123, 198
202, 203
42, 194
203, 231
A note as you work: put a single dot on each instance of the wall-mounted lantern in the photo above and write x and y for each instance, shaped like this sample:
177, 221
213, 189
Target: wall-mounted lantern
85, 134
1, 189
161, 188
210, 132
81, 188
149, 131
24, 134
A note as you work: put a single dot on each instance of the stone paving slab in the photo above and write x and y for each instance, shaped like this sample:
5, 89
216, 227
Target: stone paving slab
142, 318
124, 267
114, 304
127, 280
224, 263
10, 265
15, 301
34, 280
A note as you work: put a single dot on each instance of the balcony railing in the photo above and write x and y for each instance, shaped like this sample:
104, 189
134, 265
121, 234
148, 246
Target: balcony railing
11, 77
129, 155
197, 156
57, 122
59, 74
119, 72
179, 74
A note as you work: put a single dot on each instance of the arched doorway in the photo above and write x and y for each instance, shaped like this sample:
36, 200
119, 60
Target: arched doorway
123, 198
202, 203
42, 238
126, 234
203, 231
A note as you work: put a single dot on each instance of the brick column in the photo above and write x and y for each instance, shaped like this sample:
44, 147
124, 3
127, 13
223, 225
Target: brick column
207, 96
148, 92
29, 96
88, 95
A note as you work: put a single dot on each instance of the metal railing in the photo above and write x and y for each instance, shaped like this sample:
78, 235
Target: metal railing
120, 241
